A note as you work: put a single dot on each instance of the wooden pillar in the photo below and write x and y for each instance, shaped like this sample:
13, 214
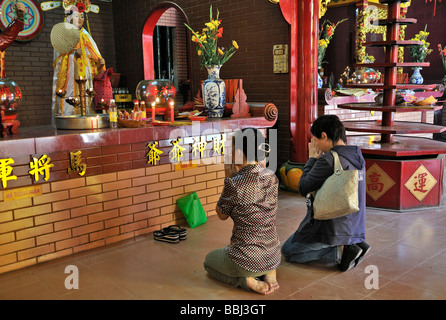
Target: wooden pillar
303, 16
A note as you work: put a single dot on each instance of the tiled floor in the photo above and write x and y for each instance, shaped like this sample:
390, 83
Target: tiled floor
408, 249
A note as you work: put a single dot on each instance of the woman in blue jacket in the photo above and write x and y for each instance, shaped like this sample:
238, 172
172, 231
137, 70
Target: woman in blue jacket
340, 240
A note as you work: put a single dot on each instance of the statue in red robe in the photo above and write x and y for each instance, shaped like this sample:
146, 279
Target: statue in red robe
8, 35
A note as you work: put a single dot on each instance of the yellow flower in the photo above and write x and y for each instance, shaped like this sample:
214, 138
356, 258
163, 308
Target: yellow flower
235, 44
323, 43
210, 26
199, 52
220, 51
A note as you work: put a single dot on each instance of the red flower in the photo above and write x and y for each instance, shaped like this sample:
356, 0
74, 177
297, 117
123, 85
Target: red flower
80, 7
220, 32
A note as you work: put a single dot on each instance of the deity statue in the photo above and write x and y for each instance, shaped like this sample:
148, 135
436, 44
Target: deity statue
8, 35
83, 61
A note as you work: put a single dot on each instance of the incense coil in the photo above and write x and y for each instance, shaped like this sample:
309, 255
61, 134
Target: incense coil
263, 109
270, 112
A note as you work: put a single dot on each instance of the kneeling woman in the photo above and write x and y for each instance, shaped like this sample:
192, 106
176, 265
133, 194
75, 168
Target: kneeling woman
340, 240
250, 198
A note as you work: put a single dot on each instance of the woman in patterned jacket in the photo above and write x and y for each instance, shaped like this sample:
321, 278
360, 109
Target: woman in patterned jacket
250, 198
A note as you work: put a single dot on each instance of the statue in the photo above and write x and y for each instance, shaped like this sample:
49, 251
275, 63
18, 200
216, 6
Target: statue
344, 78
8, 35
10, 94
81, 61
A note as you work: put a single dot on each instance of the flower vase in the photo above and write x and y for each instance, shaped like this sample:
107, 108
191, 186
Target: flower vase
214, 93
320, 82
416, 77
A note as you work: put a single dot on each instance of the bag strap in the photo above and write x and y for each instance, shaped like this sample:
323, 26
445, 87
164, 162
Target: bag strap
337, 163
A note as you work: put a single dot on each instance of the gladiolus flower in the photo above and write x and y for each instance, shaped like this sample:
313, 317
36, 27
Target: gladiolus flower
220, 51
220, 32
234, 43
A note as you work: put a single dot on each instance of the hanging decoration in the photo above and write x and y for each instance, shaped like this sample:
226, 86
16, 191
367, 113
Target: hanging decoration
323, 4
364, 26
33, 19
435, 5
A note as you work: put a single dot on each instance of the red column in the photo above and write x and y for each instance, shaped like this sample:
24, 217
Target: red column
303, 16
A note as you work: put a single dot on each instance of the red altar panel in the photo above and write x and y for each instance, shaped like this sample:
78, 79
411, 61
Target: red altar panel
404, 184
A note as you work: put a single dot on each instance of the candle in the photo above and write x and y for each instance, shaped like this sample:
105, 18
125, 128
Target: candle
153, 111
172, 112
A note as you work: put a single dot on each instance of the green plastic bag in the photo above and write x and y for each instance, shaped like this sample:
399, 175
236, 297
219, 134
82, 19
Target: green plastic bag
192, 209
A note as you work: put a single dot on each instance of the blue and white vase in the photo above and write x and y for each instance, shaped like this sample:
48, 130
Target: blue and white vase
416, 77
214, 93
320, 82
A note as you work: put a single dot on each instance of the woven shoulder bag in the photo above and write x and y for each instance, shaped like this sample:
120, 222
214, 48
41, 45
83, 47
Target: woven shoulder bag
338, 196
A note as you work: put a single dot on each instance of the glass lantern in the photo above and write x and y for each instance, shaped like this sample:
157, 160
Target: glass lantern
158, 93
366, 75
10, 99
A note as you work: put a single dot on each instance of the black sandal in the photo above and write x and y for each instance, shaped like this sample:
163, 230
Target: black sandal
176, 229
170, 237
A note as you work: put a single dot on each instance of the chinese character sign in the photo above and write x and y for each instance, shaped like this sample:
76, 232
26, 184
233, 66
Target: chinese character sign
377, 182
76, 163
219, 144
199, 145
153, 156
176, 153
420, 183
40, 167
6, 171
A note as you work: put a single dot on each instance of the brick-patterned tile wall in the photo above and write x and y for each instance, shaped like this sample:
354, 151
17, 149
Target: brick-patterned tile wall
93, 211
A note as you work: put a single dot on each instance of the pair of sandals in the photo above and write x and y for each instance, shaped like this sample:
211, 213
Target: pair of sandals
171, 234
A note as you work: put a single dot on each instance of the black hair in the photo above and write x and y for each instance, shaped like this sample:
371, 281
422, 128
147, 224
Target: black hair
331, 125
252, 143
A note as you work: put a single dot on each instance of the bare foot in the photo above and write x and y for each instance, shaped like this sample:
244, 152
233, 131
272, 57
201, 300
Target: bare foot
258, 286
271, 280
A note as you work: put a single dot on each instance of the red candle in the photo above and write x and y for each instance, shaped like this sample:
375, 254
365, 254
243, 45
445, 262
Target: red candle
172, 113
153, 111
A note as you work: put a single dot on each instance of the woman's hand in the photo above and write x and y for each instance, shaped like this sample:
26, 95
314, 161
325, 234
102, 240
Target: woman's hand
314, 151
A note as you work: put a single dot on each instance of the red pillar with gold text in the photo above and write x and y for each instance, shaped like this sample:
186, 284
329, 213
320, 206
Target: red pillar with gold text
303, 16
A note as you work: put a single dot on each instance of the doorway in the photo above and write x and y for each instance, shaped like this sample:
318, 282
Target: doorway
166, 48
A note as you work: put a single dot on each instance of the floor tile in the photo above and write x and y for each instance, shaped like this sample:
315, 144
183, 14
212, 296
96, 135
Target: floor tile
408, 253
